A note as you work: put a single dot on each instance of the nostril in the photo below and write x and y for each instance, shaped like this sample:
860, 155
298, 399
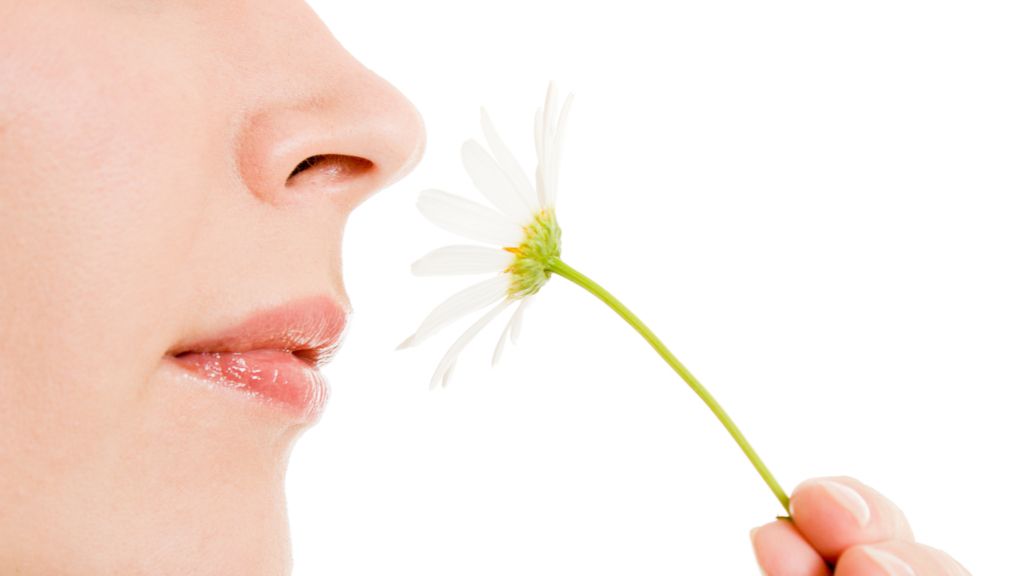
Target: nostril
332, 167
305, 164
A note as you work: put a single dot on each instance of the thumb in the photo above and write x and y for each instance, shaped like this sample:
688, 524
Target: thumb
836, 513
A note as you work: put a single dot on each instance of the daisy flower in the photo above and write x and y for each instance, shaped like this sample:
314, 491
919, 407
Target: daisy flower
520, 224
526, 245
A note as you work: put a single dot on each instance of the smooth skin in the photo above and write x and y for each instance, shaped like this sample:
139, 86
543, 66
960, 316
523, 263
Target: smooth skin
840, 526
147, 197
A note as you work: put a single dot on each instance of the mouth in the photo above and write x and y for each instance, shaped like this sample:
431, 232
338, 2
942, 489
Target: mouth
273, 355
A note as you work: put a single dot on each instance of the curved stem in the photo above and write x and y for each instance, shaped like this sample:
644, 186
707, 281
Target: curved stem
559, 267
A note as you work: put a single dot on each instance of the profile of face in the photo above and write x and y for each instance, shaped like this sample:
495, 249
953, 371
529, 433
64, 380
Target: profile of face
175, 179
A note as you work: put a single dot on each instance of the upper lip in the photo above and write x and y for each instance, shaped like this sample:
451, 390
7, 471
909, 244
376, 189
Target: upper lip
312, 329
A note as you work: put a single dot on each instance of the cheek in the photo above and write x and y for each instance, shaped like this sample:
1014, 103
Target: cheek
102, 189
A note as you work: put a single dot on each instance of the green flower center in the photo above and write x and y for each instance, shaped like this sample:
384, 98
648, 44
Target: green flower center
541, 244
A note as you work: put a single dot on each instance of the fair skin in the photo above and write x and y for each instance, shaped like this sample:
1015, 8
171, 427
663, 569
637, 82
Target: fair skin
147, 196
840, 526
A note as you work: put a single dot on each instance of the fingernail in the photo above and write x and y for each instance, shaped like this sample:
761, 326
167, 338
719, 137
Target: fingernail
892, 565
849, 499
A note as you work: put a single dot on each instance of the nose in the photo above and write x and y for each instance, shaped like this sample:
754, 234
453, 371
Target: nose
334, 128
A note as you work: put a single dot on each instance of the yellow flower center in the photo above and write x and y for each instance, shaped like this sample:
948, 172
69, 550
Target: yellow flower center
542, 243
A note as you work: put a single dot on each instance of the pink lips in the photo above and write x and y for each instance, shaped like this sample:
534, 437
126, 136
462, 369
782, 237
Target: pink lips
274, 354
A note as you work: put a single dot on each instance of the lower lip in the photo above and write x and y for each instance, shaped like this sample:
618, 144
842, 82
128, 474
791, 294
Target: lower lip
273, 375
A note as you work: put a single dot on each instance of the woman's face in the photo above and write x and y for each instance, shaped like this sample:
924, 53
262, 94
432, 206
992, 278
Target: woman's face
149, 201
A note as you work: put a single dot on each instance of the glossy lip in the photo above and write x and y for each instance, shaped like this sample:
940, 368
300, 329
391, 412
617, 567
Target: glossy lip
273, 354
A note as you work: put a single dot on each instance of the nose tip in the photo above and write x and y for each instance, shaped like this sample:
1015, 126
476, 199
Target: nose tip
346, 139
401, 134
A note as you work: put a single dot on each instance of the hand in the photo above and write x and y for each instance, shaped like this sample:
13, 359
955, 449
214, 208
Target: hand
839, 522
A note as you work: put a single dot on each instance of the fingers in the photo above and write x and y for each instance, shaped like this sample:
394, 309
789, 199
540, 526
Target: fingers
840, 519
781, 551
836, 513
897, 558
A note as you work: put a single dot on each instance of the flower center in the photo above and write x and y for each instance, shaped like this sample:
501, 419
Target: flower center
542, 243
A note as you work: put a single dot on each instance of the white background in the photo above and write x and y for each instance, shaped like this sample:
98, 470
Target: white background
816, 205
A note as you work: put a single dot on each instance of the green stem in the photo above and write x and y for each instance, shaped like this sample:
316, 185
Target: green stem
562, 269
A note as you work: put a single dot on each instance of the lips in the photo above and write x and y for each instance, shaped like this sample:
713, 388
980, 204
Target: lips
273, 355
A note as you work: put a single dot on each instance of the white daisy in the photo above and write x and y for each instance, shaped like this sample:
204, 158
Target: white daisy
521, 225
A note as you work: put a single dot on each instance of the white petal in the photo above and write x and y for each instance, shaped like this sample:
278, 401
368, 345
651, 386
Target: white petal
550, 109
538, 136
492, 182
458, 305
443, 370
498, 348
469, 219
517, 319
508, 163
513, 322
555, 156
538, 132
546, 134
462, 259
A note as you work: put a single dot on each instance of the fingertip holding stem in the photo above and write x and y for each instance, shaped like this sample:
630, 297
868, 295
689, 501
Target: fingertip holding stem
838, 494
848, 499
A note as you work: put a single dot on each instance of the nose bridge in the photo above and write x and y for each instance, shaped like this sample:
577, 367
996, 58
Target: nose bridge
326, 104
